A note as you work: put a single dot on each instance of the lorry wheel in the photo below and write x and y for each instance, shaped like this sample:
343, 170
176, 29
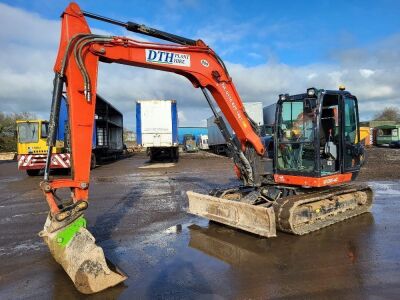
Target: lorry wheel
176, 154
92, 161
151, 155
33, 172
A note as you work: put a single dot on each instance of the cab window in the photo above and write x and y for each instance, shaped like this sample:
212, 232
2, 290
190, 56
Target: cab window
350, 133
295, 138
44, 130
28, 132
350, 126
295, 124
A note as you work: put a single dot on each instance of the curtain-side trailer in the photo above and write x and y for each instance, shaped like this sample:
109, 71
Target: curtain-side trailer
108, 132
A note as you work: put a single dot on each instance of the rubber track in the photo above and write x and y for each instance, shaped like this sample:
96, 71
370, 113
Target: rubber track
285, 207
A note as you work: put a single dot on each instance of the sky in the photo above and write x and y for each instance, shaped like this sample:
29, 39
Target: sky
269, 47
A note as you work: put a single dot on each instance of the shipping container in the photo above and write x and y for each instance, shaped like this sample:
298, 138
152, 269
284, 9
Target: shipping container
157, 128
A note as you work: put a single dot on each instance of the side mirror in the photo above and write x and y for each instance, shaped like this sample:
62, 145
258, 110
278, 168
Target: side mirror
309, 105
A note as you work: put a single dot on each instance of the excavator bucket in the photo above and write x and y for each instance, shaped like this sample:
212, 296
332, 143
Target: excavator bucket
73, 247
257, 219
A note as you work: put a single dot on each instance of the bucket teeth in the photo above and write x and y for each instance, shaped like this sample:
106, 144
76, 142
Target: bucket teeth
73, 247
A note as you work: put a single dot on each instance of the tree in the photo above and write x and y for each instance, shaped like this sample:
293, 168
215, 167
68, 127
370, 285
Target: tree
390, 113
8, 127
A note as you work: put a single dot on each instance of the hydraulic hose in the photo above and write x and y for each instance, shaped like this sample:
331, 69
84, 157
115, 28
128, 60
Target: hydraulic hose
53, 122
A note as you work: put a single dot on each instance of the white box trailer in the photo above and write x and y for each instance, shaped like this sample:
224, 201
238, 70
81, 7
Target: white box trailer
157, 128
255, 112
216, 141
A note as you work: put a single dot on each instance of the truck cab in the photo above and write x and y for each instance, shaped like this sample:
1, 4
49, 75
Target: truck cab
203, 142
32, 148
189, 143
31, 136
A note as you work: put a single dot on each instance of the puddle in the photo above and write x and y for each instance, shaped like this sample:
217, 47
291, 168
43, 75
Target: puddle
201, 259
387, 188
24, 248
157, 166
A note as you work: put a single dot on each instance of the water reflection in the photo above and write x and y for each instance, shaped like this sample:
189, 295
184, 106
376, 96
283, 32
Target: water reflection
319, 263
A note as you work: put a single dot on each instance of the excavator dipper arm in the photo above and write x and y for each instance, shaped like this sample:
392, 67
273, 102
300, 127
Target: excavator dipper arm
76, 69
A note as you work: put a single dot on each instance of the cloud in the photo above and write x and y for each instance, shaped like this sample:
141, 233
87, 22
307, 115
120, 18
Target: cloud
366, 73
266, 82
181, 116
28, 52
372, 73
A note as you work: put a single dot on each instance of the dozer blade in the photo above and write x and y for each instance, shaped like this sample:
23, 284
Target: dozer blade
73, 247
257, 219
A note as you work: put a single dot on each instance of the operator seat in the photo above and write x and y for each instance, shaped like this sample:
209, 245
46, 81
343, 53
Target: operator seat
328, 125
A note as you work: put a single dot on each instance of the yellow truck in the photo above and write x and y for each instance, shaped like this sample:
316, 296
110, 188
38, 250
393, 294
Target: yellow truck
107, 140
32, 148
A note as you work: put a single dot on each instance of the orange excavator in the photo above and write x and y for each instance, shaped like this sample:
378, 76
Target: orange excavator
317, 151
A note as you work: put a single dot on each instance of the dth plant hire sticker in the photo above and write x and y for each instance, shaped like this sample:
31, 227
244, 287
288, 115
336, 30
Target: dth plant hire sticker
167, 58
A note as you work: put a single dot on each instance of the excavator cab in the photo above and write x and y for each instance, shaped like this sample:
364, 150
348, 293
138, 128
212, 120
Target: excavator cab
316, 151
317, 136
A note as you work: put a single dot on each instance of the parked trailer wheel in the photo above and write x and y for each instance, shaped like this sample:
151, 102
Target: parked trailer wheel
33, 172
151, 155
176, 154
93, 161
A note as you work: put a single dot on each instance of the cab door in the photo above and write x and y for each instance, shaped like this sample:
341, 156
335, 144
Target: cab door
351, 147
